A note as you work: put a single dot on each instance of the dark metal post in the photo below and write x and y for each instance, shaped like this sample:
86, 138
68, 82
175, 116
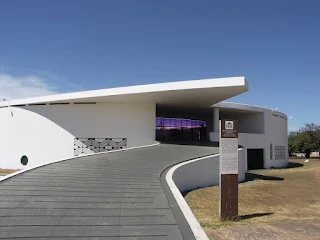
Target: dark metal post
228, 170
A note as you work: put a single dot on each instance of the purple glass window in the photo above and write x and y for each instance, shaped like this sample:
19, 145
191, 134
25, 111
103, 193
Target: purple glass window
178, 123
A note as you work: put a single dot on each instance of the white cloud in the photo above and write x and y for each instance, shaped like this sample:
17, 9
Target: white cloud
13, 87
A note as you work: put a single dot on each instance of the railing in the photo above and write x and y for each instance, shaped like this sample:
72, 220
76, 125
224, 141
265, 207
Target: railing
95, 145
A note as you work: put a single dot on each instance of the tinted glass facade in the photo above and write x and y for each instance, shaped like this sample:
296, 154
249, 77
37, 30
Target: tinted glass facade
180, 129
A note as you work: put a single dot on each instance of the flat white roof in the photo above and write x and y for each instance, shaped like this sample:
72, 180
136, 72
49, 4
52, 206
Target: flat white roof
198, 93
246, 108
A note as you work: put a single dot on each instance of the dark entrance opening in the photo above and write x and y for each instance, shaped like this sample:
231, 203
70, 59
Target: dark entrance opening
255, 159
179, 129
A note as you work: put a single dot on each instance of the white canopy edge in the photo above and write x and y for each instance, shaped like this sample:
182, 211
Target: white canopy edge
139, 89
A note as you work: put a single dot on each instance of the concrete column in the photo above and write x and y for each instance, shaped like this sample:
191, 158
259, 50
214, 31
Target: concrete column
216, 119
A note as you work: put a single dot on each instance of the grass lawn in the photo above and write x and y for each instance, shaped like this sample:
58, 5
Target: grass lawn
7, 171
273, 195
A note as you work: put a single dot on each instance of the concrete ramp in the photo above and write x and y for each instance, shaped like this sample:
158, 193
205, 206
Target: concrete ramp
115, 195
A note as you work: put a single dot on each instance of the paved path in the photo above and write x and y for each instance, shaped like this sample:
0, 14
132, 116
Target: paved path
109, 196
275, 231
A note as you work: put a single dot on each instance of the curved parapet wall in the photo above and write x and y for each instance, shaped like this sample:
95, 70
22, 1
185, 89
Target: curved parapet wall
203, 172
197, 173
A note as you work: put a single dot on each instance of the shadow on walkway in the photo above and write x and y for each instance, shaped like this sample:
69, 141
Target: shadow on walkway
294, 165
253, 176
194, 143
186, 192
254, 215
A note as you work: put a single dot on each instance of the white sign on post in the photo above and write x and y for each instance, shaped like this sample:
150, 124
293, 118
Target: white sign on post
228, 156
228, 147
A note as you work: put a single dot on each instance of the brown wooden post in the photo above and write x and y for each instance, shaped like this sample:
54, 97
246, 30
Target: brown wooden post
228, 170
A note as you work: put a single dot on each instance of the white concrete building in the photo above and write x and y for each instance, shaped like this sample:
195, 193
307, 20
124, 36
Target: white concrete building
45, 129
262, 133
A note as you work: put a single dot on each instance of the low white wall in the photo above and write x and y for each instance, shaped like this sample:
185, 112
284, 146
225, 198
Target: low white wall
203, 172
46, 133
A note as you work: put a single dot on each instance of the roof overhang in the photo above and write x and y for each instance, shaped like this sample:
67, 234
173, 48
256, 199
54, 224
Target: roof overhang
194, 93
237, 108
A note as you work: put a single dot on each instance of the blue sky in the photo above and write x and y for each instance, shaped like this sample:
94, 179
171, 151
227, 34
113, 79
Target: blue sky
61, 46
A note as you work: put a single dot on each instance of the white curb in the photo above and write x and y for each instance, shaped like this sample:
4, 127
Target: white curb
191, 219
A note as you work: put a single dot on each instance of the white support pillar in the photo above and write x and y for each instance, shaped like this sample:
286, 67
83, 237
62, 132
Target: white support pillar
216, 120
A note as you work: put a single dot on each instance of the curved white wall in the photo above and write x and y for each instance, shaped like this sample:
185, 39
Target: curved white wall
203, 172
277, 135
46, 133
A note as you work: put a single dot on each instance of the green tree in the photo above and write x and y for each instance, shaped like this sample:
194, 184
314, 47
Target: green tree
291, 140
312, 130
303, 144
